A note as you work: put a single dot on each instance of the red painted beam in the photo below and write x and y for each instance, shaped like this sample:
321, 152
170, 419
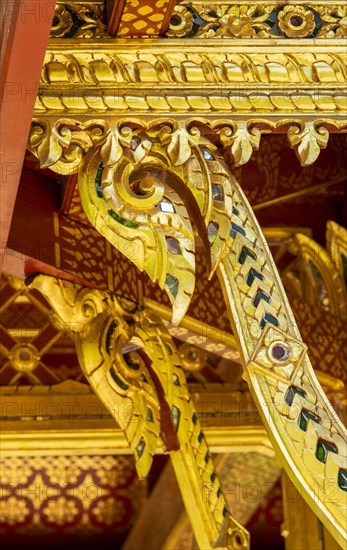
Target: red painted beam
25, 26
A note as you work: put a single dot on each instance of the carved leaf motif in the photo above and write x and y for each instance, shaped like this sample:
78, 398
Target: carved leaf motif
48, 144
112, 150
308, 142
241, 144
179, 149
61, 146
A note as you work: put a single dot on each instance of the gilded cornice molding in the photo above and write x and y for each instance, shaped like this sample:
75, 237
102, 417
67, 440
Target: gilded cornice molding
193, 76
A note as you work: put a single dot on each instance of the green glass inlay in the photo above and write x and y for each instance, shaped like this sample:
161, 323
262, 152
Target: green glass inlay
268, 318
322, 449
98, 177
246, 252
342, 479
305, 416
291, 392
118, 381
252, 274
110, 331
236, 229
260, 295
172, 283
122, 221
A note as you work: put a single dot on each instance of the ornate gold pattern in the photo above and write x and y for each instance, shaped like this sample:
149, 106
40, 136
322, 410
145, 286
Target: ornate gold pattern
61, 144
336, 237
247, 479
79, 20
147, 395
142, 181
281, 379
83, 493
26, 336
243, 80
296, 21
251, 19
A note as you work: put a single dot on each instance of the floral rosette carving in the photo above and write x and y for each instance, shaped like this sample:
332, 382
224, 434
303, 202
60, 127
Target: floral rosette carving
335, 21
242, 22
296, 21
181, 23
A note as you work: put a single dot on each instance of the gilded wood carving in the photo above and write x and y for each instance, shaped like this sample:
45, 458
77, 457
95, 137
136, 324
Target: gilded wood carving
152, 184
140, 186
142, 76
146, 393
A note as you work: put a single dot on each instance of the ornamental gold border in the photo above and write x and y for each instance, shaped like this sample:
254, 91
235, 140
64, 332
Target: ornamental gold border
222, 439
147, 76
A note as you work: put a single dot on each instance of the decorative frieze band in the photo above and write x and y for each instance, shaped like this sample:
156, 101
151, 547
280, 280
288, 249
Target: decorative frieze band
249, 19
62, 143
240, 77
245, 19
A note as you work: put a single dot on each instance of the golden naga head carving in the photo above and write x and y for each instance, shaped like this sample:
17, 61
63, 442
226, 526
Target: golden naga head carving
142, 188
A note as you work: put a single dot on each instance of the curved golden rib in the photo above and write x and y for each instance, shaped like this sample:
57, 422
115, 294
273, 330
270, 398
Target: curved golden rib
101, 324
147, 395
336, 237
305, 431
322, 276
204, 501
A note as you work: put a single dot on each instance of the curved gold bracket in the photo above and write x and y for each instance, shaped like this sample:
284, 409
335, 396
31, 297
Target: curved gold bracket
145, 391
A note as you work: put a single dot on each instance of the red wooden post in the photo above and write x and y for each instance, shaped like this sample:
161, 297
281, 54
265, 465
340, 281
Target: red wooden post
25, 26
